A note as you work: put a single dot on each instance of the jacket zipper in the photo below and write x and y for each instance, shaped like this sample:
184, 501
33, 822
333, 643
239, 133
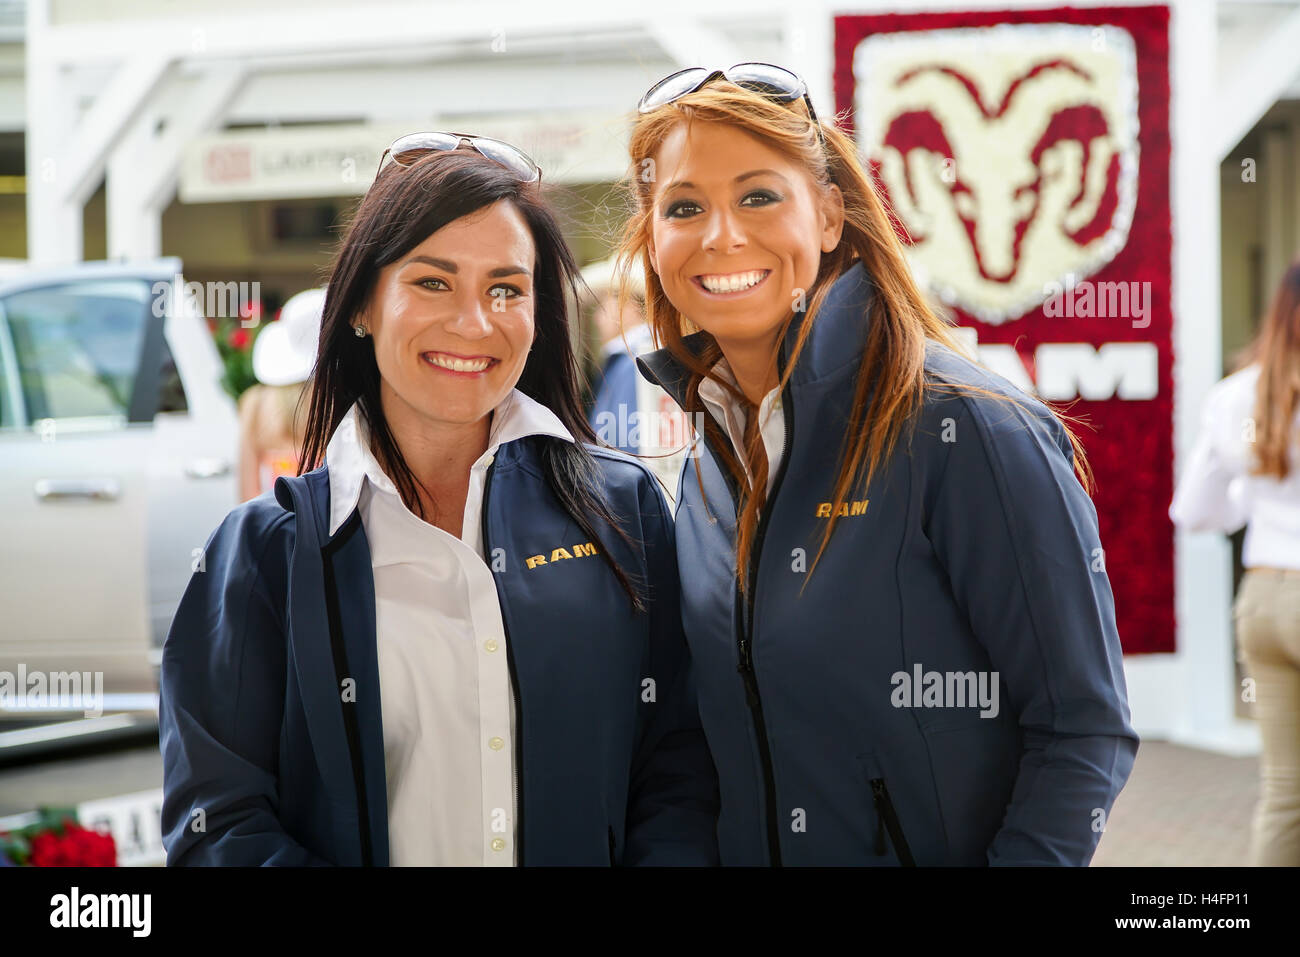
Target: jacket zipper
514, 682
745, 636
350, 725
743, 613
886, 817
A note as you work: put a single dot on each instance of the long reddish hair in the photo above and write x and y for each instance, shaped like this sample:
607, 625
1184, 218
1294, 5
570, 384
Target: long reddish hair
1276, 347
891, 383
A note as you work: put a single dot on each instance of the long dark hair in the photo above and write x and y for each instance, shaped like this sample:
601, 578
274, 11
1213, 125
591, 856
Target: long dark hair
403, 207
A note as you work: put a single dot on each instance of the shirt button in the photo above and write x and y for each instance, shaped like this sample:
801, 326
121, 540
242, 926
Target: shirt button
498, 844
489, 460
490, 644
496, 744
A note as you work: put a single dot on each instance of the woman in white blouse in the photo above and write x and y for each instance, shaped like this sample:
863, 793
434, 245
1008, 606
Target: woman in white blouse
457, 641
1245, 470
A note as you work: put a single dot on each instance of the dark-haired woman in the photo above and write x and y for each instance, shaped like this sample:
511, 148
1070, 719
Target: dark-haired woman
903, 636
457, 641
1245, 471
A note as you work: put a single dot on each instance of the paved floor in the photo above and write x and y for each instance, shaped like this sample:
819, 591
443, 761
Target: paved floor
1181, 806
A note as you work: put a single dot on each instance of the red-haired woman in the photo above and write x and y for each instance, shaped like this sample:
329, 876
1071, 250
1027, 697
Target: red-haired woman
904, 645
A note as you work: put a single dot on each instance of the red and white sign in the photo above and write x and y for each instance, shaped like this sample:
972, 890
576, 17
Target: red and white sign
1024, 155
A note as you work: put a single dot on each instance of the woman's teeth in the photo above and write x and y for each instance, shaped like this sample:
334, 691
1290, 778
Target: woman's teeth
734, 282
456, 365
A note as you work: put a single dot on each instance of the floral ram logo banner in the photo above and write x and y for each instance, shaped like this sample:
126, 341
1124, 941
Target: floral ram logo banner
1025, 156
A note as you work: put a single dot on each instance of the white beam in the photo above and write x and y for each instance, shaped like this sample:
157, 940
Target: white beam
85, 156
144, 166
203, 113
384, 27
688, 43
1249, 93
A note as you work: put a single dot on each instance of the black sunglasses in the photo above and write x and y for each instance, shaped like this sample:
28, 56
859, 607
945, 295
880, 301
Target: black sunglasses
775, 82
405, 150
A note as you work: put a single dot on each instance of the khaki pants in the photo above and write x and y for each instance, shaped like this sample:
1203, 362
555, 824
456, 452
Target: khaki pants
1267, 612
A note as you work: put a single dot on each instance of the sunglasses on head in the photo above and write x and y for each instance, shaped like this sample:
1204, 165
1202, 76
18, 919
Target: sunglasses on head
772, 81
407, 149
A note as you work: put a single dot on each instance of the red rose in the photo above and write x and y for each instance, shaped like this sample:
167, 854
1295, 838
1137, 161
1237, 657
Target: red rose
98, 850
90, 848
107, 856
239, 338
47, 850
74, 839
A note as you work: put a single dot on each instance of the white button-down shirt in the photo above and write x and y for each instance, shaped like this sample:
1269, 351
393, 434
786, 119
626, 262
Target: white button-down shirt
728, 411
445, 697
1218, 492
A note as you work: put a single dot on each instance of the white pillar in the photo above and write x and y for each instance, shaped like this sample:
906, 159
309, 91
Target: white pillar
808, 37
1271, 178
1204, 686
134, 229
54, 227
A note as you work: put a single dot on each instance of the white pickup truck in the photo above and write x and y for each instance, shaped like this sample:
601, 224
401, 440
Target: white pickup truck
117, 460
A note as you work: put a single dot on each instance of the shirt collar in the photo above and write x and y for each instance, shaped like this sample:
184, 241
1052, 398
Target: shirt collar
350, 461
712, 392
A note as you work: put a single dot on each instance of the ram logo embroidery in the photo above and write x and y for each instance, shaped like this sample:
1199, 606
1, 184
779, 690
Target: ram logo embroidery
846, 508
586, 549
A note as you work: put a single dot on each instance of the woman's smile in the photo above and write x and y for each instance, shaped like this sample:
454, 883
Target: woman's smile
730, 285
465, 366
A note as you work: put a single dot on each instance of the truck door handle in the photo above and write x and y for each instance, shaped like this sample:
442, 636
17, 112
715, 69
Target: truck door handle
207, 468
95, 489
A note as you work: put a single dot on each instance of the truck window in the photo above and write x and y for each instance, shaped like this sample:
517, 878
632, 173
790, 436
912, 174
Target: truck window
78, 346
171, 391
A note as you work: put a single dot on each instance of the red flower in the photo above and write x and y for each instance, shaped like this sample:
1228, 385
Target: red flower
47, 850
77, 847
239, 338
90, 848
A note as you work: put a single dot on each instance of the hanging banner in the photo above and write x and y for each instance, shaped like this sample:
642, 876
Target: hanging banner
316, 161
1025, 157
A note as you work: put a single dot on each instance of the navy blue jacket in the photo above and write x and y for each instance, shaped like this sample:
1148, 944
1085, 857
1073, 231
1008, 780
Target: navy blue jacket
617, 392
974, 550
265, 763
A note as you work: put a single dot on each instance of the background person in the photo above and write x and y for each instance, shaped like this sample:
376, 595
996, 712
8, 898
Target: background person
272, 414
1243, 471
628, 411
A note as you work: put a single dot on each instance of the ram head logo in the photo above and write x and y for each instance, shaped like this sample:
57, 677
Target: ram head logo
1008, 154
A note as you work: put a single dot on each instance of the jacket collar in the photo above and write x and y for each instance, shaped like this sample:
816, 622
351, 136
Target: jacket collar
836, 340
351, 463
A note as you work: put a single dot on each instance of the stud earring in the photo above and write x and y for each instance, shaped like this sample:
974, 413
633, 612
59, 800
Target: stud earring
360, 331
